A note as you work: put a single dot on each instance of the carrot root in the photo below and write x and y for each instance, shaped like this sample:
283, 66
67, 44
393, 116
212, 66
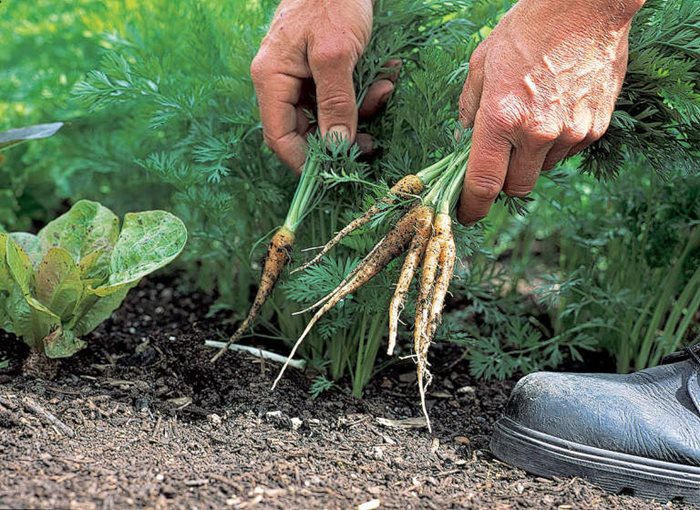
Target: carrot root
442, 285
276, 259
414, 255
389, 247
430, 280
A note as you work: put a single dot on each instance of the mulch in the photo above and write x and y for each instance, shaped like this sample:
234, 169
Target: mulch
141, 419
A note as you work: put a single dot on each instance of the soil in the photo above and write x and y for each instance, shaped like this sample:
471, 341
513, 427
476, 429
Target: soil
142, 419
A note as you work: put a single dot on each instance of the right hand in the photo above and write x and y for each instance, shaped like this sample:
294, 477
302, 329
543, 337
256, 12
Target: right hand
313, 46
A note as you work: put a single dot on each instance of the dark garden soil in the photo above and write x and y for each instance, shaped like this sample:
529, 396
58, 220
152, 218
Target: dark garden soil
145, 421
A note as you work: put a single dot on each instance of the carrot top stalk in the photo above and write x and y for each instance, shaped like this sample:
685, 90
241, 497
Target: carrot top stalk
280, 247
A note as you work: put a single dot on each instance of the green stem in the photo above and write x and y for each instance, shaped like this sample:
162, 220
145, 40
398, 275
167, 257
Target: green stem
664, 302
429, 174
686, 306
304, 195
450, 196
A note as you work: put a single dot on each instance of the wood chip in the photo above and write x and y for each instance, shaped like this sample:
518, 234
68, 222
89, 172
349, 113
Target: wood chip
181, 402
197, 483
372, 504
406, 423
35, 408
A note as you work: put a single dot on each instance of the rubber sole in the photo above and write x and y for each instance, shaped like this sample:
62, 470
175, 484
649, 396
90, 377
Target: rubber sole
549, 456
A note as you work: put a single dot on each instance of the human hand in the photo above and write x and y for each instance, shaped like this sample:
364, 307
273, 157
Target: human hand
542, 86
306, 61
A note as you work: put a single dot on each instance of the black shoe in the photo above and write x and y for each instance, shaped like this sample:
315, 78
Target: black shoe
636, 434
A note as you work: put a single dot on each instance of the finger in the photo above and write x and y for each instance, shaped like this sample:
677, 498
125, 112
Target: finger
278, 94
524, 168
392, 70
575, 134
580, 147
377, 96
332, 68
486, 170
559, 151
597, 131
304, 120
366, 144
471, 94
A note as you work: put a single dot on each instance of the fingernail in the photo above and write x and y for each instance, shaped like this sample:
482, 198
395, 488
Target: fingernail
337, 133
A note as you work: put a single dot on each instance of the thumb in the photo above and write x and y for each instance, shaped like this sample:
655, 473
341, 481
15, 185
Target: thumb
332, 71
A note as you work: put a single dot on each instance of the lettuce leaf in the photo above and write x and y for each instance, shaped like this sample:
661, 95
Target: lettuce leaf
61, 284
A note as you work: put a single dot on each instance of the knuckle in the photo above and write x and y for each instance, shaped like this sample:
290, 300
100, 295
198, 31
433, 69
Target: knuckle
258, 68
476, 61
269, 141
333, 53
543, 133
599, 130
503, 121
575, 133
484, 187
505, 117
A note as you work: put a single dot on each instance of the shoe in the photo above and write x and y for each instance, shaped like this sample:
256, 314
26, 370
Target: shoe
635, 434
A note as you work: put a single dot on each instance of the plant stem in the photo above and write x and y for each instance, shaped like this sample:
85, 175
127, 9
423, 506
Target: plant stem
304, 195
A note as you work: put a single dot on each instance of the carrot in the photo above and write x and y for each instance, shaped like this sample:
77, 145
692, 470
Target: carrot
448, 258
276, 259
407, 186
389, 247
408, 270
429, 277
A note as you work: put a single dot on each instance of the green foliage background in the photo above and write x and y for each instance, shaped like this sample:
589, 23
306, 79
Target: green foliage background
162, 114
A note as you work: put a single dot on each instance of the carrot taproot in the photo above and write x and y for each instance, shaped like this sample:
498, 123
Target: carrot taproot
448, 258
389, 247
413, 258
429, 277
276, 259
407, 186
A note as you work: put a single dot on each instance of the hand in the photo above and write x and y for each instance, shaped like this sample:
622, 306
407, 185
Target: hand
542, 86
312, 47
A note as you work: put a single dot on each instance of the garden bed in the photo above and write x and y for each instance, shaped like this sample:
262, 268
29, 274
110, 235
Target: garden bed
155, 425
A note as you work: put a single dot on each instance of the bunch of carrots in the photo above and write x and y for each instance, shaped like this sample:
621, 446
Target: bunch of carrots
423, 233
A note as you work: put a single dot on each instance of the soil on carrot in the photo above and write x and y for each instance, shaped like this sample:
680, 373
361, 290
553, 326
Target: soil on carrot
142, 419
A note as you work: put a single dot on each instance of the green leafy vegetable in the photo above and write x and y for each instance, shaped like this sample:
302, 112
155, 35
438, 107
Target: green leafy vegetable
61, 284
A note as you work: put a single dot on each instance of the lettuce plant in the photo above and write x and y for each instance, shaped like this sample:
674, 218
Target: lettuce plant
57, 286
